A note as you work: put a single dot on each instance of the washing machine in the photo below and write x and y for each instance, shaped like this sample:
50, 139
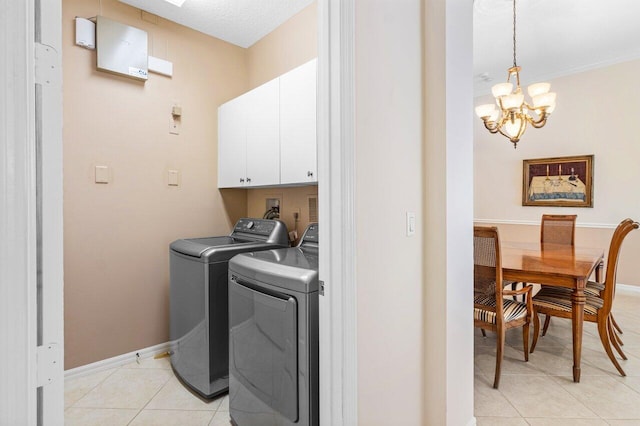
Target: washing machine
273, 335
198, 301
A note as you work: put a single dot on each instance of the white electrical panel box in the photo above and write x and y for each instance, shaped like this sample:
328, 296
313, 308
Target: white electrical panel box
121, 49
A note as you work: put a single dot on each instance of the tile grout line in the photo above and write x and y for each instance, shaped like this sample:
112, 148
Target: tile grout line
150, 399
87, 392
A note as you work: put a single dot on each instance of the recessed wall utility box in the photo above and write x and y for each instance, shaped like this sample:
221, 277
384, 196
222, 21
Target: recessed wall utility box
102, 174
121, 49
173, 177
85, 33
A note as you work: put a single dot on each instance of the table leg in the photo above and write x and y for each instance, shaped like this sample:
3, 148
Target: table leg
577, 321
599, 271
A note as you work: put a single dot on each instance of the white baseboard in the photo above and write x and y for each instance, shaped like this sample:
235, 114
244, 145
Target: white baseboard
626, 288
116, 361
472, 422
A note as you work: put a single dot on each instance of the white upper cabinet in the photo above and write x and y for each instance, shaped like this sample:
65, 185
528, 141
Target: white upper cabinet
298, 157
232, 139
263, 135
249, 139
267, 136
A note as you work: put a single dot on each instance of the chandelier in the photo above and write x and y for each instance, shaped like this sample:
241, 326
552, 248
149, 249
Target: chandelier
512, 114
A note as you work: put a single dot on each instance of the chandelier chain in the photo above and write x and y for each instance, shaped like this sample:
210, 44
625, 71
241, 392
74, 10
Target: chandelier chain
514, 33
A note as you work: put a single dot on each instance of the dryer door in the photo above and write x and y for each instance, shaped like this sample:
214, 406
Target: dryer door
263, 345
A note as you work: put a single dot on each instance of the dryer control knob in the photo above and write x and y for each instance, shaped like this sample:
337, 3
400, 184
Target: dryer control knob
250, 225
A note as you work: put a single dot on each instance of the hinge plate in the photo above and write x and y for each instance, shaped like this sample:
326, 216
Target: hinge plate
47, 65
321, 290
48, 358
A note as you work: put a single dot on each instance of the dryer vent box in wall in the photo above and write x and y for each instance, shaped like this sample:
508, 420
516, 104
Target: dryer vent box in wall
121, 49
85, 33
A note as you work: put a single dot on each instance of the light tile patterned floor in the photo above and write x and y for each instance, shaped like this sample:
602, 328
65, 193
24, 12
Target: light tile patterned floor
538, 393
541, 392
144, 394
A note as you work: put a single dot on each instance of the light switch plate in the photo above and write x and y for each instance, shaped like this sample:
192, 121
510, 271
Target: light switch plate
102, 174
173, 177
411, 223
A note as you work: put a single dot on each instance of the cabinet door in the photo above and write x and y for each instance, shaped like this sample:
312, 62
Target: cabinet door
298, 157
263, 135
232, 137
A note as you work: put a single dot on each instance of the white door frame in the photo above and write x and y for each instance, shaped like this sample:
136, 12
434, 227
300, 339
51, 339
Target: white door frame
336, 191
31, 290
31, 226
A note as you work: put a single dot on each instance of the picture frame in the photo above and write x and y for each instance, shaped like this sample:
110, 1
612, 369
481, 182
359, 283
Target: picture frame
558, 181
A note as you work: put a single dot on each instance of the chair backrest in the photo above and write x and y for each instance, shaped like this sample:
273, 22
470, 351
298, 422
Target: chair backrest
558, 229
487, 264
618, 237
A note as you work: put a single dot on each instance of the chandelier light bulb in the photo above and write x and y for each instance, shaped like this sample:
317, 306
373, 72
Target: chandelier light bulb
538, 89
512, 101
550, 108
512, 127
544, 100
501, 89
486, 110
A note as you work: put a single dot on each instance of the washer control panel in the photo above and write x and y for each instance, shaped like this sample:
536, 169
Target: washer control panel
255, 226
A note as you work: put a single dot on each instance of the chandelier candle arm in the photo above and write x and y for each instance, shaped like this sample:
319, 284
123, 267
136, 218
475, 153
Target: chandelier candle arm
510, 114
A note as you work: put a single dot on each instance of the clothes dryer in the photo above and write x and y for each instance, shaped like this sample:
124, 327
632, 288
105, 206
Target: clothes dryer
273, 335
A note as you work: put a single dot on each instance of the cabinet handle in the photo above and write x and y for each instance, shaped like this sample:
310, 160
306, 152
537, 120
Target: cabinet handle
241, 180
248, 180
309, 174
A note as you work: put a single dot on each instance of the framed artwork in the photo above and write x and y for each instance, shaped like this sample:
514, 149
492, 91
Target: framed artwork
558, 182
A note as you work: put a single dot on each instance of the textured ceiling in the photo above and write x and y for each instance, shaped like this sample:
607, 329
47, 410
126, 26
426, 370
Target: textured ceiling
241, 22
554, 37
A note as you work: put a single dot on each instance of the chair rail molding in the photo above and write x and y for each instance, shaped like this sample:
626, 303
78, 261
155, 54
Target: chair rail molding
537, 223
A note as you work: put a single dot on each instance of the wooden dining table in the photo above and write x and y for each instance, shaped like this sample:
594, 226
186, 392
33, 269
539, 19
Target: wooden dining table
556, 265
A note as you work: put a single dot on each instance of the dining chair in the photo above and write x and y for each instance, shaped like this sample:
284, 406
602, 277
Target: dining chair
556, 301
491, 310
560, 229
557, 229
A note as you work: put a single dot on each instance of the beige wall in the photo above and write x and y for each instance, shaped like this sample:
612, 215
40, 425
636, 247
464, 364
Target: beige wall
388, 184
448, 217
117, 234
288, 46
292, 200
596, 114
